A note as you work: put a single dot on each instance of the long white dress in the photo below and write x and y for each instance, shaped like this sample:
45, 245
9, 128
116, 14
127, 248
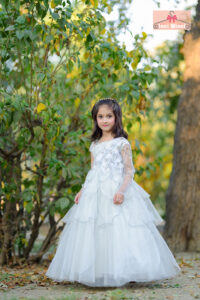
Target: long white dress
107, 244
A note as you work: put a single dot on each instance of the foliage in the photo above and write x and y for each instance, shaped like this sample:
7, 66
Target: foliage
157, 131
55, 57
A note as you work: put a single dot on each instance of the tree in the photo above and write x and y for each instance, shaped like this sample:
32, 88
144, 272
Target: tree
44, 118
182, 229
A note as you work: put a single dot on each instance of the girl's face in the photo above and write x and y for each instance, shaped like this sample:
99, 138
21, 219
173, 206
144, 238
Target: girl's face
105, 118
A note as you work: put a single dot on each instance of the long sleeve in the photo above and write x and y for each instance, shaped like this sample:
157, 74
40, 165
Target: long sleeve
129, 169
92, 161
91, 153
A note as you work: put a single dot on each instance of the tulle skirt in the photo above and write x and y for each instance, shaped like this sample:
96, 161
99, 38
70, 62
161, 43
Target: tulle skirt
105, 244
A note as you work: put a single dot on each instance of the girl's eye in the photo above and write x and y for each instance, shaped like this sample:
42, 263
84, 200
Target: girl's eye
108, 116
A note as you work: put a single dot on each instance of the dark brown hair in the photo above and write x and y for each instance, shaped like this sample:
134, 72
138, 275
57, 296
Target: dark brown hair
117, 129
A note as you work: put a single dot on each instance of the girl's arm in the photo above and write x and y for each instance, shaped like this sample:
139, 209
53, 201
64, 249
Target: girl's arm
129, 169
92, 160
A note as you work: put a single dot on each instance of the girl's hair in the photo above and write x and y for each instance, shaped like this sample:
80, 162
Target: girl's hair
117, 129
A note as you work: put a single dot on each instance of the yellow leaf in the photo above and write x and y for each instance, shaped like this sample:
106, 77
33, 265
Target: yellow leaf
144, 35
93, 102
53, 4
103, 31
42, 217
88, 30
135, 63
131, 53
147, 68
74, 73
24, 241
67, 122
69, 191
2, 184
53, 139
68, 31
77, 102
57, 115
109, 9
52, 148
94, 3
86, 55
40, 107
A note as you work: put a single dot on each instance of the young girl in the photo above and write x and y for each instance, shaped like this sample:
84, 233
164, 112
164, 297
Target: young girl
110, 237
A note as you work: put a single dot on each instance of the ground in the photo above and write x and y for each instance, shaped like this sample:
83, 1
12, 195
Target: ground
29, 282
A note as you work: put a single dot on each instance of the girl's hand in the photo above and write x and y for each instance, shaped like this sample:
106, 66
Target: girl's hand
118, 198
76, 200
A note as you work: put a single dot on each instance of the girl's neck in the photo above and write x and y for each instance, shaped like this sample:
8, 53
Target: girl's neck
107, 136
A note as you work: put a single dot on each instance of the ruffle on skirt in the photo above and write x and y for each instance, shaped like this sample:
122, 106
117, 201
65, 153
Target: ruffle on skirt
96, 203
105, 244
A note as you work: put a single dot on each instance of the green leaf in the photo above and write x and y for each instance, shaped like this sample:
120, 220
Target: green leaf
64, 203
19, 34
58, 2
49, 38
96, 3
10, 28
70, 65
32, 35
40, 76
29, 206
136, 95
46, 3
55, 16
89, 38
21, 19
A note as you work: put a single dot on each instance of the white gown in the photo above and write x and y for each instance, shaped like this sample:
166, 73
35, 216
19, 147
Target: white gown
107, 244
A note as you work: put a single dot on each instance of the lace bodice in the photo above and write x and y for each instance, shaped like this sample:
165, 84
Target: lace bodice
113, 158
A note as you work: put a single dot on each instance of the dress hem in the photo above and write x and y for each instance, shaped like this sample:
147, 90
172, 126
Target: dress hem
56, 279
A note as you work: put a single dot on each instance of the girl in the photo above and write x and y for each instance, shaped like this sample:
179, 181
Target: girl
110, 237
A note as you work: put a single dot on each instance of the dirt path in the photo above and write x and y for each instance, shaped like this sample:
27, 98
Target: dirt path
185, 286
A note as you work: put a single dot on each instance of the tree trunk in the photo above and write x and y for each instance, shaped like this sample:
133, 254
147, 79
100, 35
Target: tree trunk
8, 221
182, 228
